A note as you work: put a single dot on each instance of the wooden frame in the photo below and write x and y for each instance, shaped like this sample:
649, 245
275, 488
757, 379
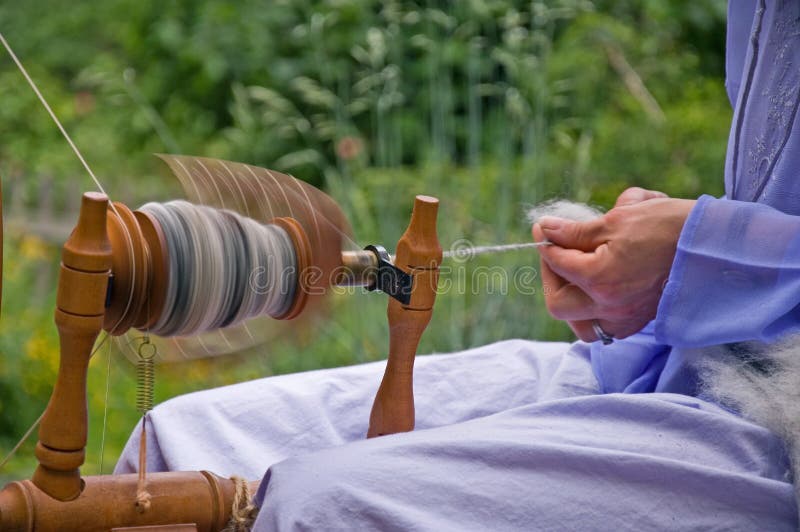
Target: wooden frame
58, 498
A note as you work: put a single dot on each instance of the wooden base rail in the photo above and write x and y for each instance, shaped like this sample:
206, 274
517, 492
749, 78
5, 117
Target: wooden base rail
198, 499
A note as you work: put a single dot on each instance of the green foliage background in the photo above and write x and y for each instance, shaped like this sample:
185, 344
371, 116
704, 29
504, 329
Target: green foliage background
488, 104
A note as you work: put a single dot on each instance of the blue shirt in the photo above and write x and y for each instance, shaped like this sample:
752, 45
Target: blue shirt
736, 272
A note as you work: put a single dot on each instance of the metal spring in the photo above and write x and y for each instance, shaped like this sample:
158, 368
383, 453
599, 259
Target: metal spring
145, 377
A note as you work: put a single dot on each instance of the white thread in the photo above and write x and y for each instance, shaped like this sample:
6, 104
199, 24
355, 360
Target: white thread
50, 111
580, 212
105, 407
35, 424
35, 88
468, 253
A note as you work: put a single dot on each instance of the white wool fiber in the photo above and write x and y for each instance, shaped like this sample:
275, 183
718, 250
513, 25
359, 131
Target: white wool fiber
571, 210
762, 383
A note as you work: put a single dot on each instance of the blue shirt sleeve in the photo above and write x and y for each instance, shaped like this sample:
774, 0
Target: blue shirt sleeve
740, 22
735, 276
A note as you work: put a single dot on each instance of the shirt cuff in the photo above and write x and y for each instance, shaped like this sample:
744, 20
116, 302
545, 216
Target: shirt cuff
668, 323
735, 276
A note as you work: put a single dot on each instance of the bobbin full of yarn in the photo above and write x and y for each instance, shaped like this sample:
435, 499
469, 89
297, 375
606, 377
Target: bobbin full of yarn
182, 269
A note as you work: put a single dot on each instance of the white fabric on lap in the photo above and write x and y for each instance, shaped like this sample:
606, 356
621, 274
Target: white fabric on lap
245, 428
603, 462
509, 436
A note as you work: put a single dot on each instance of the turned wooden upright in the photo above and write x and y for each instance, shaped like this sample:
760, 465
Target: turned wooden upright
80, 310
419, 254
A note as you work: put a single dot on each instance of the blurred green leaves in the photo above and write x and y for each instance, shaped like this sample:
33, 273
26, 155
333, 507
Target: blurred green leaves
489, 104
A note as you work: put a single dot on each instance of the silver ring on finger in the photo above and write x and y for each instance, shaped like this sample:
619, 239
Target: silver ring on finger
602, 335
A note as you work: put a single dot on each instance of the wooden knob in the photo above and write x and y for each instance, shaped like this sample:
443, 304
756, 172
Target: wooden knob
88, 248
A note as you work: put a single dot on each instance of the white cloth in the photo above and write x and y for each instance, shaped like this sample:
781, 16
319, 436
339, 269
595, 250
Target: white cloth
510, 436
245, 428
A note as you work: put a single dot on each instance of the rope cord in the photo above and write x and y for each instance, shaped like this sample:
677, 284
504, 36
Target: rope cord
143, 497
243, 511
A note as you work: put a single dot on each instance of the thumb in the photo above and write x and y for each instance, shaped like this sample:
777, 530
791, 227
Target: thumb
585, 236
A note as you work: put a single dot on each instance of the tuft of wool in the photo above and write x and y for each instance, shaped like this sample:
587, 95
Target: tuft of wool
762, 383
571, 210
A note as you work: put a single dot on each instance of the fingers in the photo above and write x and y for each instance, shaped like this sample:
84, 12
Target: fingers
563, 273
536, 232
636, 194
585, 236
587, 276
551, 283
564, 300
570, 303
574, 265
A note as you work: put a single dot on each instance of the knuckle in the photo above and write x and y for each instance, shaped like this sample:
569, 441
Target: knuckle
634, 192
631, 195
615, 216
624, 312
553, 307
579, 231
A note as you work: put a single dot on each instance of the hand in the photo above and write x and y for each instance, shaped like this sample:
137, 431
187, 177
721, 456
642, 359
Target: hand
612, 268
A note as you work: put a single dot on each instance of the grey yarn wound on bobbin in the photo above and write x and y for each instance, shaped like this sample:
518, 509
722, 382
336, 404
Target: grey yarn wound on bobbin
223, 268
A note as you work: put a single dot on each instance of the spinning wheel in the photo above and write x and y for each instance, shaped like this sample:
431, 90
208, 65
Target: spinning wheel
124, 269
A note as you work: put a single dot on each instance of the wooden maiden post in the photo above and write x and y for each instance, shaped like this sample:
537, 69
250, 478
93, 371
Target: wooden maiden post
80, 310
419, 254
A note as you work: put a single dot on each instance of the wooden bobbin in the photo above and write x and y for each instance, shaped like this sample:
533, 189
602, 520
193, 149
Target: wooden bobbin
304, 256
156, 245
140, 269
131, 269
57, 498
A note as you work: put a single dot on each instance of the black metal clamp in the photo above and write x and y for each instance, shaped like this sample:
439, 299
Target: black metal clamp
389, 278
